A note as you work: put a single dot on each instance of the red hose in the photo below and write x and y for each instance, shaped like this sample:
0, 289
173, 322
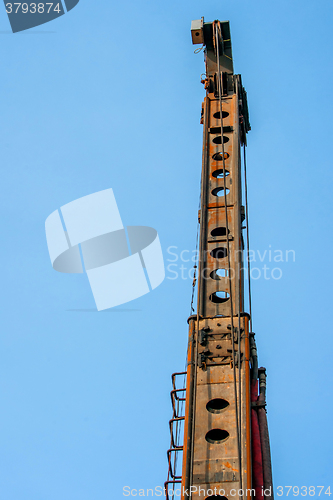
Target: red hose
257, 470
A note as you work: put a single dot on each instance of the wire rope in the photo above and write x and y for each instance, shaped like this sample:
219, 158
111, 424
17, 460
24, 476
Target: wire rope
218, 36
247, 238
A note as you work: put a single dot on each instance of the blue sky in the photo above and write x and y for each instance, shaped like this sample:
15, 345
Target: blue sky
109, 95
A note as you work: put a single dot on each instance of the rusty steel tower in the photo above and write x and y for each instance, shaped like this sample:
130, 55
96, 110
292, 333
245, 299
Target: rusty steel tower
219, 424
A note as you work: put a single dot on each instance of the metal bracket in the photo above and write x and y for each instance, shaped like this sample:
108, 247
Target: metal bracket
257, 404
203, 335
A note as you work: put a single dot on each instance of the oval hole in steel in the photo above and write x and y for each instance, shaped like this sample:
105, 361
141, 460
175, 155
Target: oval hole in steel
217, 115
218, 174
219, 231
216, 497
215, 436
219, 253
219, 297
218, 156
217, 140
218, 274
220, 191
217, 405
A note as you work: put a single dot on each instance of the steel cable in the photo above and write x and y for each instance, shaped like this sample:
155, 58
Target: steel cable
218, 36
247, 239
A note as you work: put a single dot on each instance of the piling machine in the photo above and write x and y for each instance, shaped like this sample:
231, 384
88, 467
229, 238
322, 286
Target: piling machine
219, 435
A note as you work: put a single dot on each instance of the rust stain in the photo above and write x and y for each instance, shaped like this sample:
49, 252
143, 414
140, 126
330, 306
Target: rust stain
228, 464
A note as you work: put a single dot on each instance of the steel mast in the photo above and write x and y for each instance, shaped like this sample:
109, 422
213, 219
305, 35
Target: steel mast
226, 445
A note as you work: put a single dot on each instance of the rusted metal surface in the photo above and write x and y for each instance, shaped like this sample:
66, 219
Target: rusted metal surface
216, 464
213, 213
220, 455
216, 444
